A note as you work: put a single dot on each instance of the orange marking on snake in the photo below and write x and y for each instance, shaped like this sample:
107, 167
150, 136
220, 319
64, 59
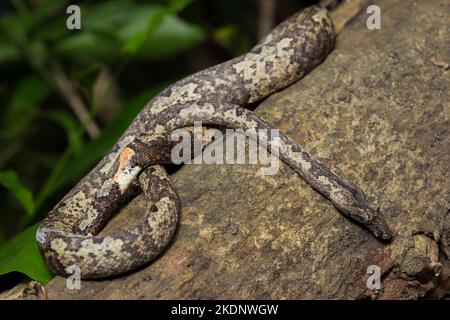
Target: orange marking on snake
125, 157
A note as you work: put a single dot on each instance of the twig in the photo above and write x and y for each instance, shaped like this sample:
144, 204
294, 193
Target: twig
266, 20
75, 102
329, 4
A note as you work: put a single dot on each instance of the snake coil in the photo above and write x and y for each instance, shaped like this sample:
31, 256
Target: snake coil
215, 96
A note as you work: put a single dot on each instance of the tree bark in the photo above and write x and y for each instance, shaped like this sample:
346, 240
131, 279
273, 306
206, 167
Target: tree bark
375, 112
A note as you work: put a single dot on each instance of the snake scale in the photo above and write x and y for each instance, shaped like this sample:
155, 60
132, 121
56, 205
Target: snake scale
215, 96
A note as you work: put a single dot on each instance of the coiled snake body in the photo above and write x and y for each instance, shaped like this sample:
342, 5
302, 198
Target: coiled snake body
216, 97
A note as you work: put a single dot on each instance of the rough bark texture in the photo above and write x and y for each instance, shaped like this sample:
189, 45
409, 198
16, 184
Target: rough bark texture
376, 112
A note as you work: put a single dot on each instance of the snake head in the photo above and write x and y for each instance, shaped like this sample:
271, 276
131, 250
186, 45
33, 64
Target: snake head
376, 224
370, 217
354, 204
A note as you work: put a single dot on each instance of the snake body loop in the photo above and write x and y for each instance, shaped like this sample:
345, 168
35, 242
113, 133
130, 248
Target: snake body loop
215, 96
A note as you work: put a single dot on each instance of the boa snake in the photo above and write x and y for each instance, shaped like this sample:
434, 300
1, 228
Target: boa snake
216, 97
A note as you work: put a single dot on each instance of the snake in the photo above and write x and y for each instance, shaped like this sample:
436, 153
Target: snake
217, 96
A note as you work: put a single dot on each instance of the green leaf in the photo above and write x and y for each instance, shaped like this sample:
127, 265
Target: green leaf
88, 46
148, 20
21, 254
31, 20
97, 39
106, 17
144, 24
155, 33
178, 5
10, 181
42, 12
116, 27
24, 106
173, 36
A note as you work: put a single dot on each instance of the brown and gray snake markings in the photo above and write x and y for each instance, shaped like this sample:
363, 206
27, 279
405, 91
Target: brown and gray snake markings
214, 96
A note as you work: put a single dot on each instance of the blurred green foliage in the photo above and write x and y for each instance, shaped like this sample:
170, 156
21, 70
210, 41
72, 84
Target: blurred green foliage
10, 181
21, 254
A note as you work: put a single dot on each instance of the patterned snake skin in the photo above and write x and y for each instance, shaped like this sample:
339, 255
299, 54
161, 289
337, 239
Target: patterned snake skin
216, 97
